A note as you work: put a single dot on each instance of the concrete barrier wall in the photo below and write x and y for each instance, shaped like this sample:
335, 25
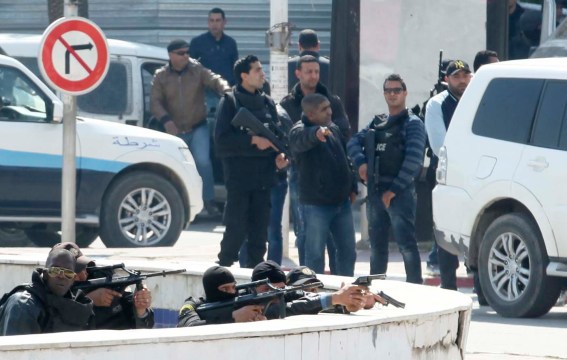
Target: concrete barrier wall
434, 325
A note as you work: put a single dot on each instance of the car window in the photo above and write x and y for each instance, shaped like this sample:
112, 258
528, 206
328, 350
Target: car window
20, 99
547, 128
148, 71
112, 96
507, 109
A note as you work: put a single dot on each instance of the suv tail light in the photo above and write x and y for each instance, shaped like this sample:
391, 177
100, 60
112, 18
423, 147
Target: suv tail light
441, 174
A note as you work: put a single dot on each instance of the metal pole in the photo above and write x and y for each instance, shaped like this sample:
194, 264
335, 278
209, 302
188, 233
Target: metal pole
278, 81
69, 183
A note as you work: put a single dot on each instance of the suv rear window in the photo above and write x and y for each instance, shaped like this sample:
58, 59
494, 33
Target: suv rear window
551, 115
507, 109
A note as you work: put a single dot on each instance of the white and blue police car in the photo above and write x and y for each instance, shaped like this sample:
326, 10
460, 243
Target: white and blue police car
135, 187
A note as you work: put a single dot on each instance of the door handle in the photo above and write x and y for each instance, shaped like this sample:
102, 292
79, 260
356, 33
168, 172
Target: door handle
538, 164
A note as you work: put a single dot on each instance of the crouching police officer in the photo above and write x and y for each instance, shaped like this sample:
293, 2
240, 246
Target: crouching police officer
219, 285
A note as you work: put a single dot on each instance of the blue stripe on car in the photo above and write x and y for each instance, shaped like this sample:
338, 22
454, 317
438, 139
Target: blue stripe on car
29, 159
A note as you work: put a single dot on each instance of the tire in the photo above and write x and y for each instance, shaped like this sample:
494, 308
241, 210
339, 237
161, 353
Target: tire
512, 263
13, 237
85, 235
128, 221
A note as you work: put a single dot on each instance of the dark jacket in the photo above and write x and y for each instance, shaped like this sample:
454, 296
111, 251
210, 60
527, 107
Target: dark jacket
35, 310
188, 315
292, 105
324, 67
122, 315
325, 175
411, 159
245, 166
219, 56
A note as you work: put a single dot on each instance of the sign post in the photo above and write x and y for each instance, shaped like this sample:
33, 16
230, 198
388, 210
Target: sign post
73, 58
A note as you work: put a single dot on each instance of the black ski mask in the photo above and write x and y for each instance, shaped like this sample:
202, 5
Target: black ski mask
212, 279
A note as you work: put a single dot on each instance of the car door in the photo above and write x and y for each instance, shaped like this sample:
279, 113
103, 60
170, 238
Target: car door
543, 167
30, 149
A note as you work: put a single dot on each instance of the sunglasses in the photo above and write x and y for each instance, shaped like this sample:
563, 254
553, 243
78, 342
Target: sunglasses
396, 91
181, 53
55, 271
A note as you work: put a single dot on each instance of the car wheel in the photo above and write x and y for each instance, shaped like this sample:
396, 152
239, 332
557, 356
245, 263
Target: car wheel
141, 209
84, 236
13, 237
512, 263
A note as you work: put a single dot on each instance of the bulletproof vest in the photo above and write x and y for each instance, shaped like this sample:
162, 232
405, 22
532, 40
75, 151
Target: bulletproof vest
390, 143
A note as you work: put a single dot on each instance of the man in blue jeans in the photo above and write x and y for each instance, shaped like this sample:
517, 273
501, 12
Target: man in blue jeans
326, 185
400, 146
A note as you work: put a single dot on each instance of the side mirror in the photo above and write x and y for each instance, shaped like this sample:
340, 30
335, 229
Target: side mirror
57, 116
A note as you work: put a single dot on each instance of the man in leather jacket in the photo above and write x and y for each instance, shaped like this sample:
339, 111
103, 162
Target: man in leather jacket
47, 305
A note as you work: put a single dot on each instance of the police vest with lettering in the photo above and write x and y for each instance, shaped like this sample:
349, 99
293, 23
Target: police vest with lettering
390, 143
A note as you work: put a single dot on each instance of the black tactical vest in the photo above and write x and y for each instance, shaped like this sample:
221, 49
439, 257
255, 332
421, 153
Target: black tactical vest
390, 143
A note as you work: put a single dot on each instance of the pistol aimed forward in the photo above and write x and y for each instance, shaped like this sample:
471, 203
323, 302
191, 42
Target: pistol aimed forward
367, 279
391, 300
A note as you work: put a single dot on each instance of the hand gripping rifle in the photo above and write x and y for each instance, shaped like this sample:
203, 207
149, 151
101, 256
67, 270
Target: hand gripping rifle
118, 283
247, 294
244, 118
367, 281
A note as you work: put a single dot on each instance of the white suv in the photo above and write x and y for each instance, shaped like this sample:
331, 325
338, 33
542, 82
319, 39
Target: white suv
135, 187
501, 196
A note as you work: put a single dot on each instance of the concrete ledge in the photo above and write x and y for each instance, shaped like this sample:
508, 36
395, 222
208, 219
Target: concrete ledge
434, 325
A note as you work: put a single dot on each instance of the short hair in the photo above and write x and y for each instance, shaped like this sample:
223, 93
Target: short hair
217, 10
306, 59
308, 39
312, 101
243, 65
395, 77
481, 58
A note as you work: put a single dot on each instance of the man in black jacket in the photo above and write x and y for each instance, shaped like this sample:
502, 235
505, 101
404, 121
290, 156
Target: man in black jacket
249, 163
47, 305
309, 44
308, 73
326, 185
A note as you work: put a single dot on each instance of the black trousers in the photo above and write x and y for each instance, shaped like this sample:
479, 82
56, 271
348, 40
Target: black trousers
247, 215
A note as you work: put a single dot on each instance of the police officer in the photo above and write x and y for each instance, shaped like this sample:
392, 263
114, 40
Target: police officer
400, 146
219, 285
439, 112
249, 163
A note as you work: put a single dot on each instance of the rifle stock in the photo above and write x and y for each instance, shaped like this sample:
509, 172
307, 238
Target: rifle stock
244, 118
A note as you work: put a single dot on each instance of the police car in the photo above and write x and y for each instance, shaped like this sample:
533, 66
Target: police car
135, 187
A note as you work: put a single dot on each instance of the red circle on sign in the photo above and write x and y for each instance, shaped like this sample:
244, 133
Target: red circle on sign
54, 35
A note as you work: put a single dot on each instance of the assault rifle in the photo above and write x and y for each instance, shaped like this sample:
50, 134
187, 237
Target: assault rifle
118, 283
244, 118
247, 294
373, 160
367, 281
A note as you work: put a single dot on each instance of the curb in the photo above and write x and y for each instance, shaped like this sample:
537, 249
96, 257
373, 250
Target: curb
462, 281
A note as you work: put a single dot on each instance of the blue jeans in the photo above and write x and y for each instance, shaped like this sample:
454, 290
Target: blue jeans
299, 223
319, 221
275, 237
199, 142
401, 216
